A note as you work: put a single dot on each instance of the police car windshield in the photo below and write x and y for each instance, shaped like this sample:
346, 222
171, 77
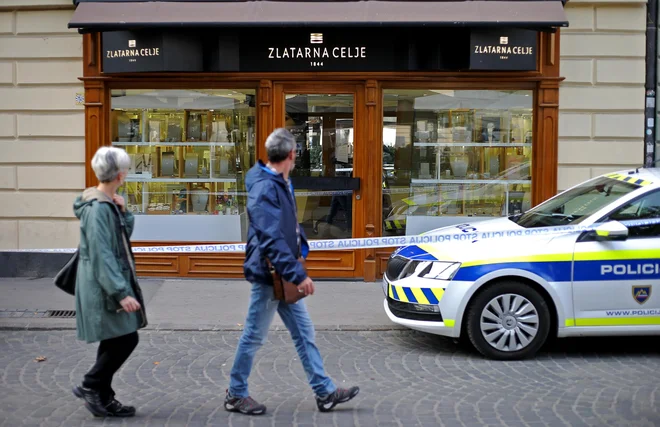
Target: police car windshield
575, 205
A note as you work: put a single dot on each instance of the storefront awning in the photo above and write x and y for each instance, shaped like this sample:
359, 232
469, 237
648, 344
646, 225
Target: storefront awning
109, 15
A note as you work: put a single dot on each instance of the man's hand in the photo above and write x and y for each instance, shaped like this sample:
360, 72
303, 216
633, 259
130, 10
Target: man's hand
119, 201
130, 304
307, 287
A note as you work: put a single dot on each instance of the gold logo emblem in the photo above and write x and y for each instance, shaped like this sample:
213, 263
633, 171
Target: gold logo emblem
316, 38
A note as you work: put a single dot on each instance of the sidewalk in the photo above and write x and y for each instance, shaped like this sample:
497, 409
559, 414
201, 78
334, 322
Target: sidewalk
197, 304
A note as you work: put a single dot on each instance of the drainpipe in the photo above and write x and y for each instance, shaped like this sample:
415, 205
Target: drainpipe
651, 81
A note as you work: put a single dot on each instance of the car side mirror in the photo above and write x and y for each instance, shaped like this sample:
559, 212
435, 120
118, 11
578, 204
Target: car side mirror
609, 231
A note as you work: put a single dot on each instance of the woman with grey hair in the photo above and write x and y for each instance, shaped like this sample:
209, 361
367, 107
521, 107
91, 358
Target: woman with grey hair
109, 303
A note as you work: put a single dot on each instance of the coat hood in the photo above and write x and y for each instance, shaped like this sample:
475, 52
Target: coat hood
86, 198
259, 172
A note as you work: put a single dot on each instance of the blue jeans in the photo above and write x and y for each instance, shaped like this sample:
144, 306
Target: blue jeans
297, 321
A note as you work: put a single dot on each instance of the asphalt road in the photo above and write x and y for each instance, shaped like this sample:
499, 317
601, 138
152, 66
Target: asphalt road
178, 378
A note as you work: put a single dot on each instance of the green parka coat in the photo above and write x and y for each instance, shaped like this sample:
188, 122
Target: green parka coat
106, 270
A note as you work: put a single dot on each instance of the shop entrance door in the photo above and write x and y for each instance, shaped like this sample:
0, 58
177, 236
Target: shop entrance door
326, 121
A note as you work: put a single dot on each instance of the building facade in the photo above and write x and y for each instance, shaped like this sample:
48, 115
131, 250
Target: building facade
42, 127
389, 143
601, 123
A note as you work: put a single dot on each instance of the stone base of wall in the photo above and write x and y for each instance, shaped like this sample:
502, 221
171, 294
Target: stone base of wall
31, 264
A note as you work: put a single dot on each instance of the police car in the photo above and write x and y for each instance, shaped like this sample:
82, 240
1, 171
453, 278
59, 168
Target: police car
507, 285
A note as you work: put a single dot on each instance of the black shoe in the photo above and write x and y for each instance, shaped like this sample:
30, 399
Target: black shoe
93, 401
341, 395
116, 409
244, 405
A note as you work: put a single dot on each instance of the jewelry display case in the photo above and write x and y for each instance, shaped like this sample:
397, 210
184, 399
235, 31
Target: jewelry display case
470, 157
189, 152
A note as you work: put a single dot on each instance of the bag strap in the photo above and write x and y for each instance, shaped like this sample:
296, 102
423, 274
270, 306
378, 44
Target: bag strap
270, 266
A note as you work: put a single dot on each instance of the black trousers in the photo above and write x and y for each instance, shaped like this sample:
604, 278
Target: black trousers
111, 355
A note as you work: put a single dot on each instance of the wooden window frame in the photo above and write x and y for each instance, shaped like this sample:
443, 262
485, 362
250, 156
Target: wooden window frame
544, 82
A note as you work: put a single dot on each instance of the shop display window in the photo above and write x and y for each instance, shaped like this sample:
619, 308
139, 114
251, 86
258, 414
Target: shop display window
452, 156
322, 125
190, 150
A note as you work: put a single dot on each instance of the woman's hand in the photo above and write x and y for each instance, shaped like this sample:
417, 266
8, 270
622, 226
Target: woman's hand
130, 304
119, 201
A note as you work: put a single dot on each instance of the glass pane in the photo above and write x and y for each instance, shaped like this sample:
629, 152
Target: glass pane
189, 151
323, 127
450, 155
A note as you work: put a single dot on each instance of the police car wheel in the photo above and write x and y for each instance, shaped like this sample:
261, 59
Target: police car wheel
508, 320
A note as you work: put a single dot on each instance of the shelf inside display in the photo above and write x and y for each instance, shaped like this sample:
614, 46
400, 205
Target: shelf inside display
137, 178
472, 144
471, 181
174, 144
188, 228
177, 100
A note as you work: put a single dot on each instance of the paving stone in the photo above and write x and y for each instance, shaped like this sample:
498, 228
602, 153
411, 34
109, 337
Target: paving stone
406, 379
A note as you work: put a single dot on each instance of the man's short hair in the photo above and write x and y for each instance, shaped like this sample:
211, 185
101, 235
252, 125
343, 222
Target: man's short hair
279, 144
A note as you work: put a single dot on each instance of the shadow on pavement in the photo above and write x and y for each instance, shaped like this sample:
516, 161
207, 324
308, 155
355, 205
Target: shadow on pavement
598, 347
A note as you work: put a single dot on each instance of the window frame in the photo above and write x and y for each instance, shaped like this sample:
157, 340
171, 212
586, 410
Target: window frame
606, 217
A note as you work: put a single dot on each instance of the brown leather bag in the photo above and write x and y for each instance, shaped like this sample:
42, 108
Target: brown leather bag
283, 290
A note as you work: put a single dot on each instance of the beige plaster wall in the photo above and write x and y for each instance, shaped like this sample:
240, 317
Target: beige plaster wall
41, 124
601, 114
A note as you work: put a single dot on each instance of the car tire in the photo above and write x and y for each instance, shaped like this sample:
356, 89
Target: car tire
517, 330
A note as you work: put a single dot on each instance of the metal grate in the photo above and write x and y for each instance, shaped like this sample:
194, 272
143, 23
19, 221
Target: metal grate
61, 313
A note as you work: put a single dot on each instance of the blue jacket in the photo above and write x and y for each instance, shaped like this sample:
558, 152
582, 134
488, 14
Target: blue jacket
272, 229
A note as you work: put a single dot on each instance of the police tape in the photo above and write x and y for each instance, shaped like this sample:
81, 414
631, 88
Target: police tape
466, 233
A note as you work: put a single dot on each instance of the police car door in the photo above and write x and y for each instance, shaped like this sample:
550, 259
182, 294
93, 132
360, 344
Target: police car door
617, 283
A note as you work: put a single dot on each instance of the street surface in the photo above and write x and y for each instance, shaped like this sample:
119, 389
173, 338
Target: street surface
198, 304
178, 378
179, 372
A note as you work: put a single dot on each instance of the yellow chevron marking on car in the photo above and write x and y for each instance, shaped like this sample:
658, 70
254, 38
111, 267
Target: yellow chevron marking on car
419, 296
569, 322
449, 323
438, 292
396, 224
417, 292
629, 179
402, 295
620, 321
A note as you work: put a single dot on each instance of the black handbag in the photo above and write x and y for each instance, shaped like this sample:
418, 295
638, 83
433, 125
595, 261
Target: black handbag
66, 278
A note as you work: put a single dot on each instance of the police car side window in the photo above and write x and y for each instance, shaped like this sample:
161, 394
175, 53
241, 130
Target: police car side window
646, 207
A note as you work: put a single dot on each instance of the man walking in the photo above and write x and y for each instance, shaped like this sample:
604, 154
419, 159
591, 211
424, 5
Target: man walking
274, 235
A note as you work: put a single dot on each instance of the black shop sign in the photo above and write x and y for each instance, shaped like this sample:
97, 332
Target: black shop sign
139, 52
329, 50
504, 50
318, 50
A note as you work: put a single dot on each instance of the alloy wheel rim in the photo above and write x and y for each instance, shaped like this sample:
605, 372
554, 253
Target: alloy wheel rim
509, 322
